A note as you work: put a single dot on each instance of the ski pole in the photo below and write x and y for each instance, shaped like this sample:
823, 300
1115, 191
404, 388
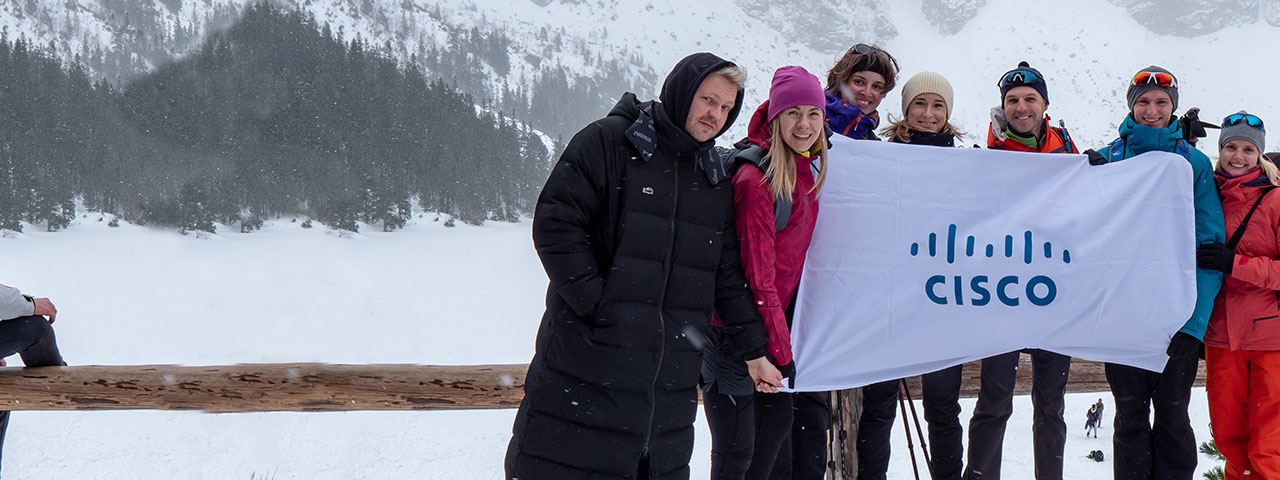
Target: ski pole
907, 429
924, 446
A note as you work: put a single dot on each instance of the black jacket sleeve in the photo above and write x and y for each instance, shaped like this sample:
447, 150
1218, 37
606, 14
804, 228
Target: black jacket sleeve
735, 306
572, 197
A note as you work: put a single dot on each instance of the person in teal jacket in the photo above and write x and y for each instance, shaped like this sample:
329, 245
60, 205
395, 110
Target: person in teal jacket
1167, 449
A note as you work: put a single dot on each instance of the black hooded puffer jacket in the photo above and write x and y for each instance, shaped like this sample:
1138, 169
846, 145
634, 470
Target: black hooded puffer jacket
637, 239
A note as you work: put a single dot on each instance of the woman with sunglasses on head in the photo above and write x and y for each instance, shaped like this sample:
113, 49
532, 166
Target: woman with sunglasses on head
787, 151
1242, 343
855, 86
1167, 448
926, 112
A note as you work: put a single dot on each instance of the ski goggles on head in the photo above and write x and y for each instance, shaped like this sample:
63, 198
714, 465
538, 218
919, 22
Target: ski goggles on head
1018, 76
1249, 118
1162, 79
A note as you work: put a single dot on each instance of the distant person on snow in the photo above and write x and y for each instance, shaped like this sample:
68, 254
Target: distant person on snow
926, 112
780, 165
1091, 419
1166, 449
26, 328
1020, 124
635, 229
1242, 342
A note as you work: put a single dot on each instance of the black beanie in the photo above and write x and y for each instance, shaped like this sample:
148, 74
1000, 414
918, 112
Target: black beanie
683, 82
1023, 76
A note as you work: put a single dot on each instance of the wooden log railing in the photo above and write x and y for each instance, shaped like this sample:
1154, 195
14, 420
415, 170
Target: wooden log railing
298, 387
307, 387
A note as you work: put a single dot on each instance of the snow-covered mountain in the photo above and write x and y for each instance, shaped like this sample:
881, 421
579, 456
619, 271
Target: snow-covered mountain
1086, 48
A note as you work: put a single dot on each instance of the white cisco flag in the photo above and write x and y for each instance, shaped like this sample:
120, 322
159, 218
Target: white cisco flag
926, 257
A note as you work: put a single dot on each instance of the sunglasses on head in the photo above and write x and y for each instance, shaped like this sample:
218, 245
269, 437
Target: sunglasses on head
1249, 118
1018, 76
1159, 78
864, 49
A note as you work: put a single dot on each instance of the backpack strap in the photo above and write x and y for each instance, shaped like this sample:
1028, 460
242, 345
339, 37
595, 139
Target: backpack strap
1063, 135
1117, 150
1235, 238
756, 156
1182, 147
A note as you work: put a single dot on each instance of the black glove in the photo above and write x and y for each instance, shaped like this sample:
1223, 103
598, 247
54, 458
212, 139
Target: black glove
1095, 158
1183, 345
1215, 256
789, 374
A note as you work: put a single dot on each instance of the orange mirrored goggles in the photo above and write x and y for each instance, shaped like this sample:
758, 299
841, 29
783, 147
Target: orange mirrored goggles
1159, 78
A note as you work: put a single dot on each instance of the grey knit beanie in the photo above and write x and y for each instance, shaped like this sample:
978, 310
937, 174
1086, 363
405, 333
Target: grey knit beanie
1136, 91
926, 82
1243, 131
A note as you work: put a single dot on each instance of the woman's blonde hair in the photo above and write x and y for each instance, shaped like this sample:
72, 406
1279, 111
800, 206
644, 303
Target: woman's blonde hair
1269, 169
900, 130
781, 174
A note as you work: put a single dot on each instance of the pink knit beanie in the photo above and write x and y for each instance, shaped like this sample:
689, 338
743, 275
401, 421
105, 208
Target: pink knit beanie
794, 86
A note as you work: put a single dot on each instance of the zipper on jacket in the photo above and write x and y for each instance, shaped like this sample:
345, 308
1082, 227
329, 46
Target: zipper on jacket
1256, 320
662, 300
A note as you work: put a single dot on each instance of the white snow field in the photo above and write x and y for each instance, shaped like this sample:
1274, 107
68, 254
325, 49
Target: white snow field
429, 295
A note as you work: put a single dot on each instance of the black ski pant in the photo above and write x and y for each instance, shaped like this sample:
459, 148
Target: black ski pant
995, 404
941, 400
32, 338
803, 455
746, 432
1165, 450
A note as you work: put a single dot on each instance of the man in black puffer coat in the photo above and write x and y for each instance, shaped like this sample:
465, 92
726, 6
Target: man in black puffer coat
635, 230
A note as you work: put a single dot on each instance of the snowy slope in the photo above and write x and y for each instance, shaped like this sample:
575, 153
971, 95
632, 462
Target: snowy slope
1086, 48
429, 295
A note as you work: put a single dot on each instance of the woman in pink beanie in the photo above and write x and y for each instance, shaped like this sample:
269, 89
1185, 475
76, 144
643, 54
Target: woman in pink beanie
775, 202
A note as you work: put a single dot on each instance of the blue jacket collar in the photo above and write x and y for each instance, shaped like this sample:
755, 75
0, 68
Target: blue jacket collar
1140, 139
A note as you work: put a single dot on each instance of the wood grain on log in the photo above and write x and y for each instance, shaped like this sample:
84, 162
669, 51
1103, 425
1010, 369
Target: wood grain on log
304, 387
298, 387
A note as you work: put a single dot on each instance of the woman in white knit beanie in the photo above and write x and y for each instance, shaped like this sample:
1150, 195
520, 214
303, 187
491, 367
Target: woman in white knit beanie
926, 113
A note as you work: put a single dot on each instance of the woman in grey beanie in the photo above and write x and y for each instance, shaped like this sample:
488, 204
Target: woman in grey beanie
1242, 342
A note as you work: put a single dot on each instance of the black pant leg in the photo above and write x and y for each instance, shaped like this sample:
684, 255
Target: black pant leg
1173, 439
990, 414
1132, 388
941, 399
773, 425
879, 405
731, 420
809, 436
1048, 426
782, 466
31, 337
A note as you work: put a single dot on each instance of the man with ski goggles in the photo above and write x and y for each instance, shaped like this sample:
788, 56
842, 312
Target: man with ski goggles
1166, 449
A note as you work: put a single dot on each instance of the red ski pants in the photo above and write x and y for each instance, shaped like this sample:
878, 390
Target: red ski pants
1244, 407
